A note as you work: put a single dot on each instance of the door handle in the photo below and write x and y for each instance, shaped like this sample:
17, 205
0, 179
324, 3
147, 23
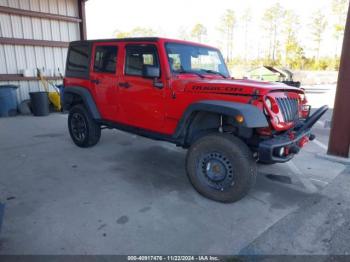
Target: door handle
96, 81
124, 84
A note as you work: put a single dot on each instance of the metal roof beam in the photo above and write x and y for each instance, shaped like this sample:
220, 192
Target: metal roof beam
29, 13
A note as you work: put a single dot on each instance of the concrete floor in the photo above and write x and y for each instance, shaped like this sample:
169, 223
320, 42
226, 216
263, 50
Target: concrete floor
130, 195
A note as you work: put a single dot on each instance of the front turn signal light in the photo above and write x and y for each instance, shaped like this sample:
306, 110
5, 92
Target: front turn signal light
239, 119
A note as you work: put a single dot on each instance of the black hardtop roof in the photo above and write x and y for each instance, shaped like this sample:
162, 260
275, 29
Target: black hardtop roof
129, 39
140, 39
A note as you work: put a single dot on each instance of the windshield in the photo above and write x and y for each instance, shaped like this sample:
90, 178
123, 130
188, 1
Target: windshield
185, 58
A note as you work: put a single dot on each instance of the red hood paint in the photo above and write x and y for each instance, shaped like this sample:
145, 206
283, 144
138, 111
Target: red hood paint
242, 87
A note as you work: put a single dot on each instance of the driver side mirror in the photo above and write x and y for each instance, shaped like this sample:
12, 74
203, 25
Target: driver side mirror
150, 71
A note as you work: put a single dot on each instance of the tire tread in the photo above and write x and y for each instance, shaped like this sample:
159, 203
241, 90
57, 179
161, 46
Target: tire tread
236, 147
94, 130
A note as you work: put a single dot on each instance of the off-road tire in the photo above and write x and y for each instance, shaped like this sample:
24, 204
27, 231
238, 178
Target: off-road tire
92, 129
237, 160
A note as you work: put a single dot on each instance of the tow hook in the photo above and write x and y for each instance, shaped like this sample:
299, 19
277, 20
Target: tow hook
294, 150
302, 142
291, 135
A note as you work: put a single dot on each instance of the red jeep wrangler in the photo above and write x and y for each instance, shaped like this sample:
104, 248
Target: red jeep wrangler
181, 92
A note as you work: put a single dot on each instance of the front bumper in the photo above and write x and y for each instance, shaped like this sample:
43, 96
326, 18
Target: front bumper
290, 142
269, 149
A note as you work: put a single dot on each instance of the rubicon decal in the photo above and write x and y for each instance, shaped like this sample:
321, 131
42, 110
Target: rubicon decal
216, 88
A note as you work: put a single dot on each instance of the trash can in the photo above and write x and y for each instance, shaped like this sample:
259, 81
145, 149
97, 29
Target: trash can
39, 103
8, 100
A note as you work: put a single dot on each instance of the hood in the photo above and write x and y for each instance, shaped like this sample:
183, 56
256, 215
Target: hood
237, 87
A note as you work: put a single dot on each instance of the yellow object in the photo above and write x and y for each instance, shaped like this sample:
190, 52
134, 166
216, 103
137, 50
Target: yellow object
54, 97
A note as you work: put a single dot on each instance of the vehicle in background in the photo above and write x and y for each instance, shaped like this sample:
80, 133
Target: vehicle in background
273, 74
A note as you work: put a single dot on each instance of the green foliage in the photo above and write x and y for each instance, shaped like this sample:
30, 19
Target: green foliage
229, 19
227, 27
280, 28
136, 32
318, 27
294, 53
303, 63
246, 20
271, 24
198, 32
273, 15
339, 11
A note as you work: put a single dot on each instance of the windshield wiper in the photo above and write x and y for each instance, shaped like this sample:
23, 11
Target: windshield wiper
182, 71
213, 72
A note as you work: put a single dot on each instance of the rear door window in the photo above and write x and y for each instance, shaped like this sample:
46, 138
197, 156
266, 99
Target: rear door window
105, 59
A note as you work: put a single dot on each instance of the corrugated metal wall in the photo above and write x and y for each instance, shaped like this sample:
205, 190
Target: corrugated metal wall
14, 59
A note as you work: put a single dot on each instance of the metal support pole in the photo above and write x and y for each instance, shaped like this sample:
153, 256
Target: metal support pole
339, 142
82, 24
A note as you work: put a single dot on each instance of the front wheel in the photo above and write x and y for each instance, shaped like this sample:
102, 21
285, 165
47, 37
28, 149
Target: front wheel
221, 167
83, 129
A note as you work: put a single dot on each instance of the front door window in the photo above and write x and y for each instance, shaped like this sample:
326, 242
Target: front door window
138, 56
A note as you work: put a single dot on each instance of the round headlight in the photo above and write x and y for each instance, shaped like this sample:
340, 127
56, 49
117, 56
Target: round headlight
268, 103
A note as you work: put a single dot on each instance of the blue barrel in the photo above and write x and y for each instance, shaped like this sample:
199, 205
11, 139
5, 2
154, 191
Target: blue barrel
8, 100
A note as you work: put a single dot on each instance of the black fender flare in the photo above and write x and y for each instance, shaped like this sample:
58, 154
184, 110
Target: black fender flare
253, 116
85, 95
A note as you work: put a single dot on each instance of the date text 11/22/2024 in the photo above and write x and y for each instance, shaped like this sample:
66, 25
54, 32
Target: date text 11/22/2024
173, 258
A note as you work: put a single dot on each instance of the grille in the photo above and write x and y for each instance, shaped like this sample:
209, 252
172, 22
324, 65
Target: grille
289, 108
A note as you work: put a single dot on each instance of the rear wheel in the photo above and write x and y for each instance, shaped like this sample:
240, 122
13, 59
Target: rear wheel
221, 167
83, 129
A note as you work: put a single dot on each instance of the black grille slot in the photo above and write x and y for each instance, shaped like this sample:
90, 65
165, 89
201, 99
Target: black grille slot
289, 108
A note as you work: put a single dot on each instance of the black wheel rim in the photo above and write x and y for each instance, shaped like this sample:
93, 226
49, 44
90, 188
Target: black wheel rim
79, 128
216, 170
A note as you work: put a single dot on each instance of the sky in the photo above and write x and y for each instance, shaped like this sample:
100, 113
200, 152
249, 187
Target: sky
168, 18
